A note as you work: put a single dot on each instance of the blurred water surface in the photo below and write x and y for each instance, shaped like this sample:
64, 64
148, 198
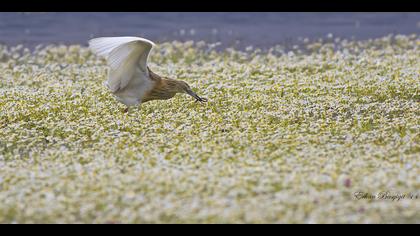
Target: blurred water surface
231, 29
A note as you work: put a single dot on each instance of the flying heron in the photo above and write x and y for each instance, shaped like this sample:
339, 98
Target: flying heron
129, 78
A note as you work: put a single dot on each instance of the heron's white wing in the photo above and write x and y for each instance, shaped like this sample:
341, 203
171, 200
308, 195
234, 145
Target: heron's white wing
124, 55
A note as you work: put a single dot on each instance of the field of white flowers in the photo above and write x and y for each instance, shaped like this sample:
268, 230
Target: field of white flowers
286, 137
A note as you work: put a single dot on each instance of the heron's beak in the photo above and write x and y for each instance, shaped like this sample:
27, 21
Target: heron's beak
194, 95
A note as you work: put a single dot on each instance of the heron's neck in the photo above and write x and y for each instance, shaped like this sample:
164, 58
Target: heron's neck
170, 85
166, 83
163, 89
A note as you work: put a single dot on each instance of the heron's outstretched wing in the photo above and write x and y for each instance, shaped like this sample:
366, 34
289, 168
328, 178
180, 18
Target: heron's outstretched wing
124, 55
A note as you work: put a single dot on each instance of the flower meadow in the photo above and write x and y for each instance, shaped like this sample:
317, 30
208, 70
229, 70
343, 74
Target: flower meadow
287, 136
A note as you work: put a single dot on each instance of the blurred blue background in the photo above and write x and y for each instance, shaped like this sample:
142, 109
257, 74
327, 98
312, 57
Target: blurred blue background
231, 29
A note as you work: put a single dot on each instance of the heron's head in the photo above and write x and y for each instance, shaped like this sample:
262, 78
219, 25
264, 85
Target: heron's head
183, 87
